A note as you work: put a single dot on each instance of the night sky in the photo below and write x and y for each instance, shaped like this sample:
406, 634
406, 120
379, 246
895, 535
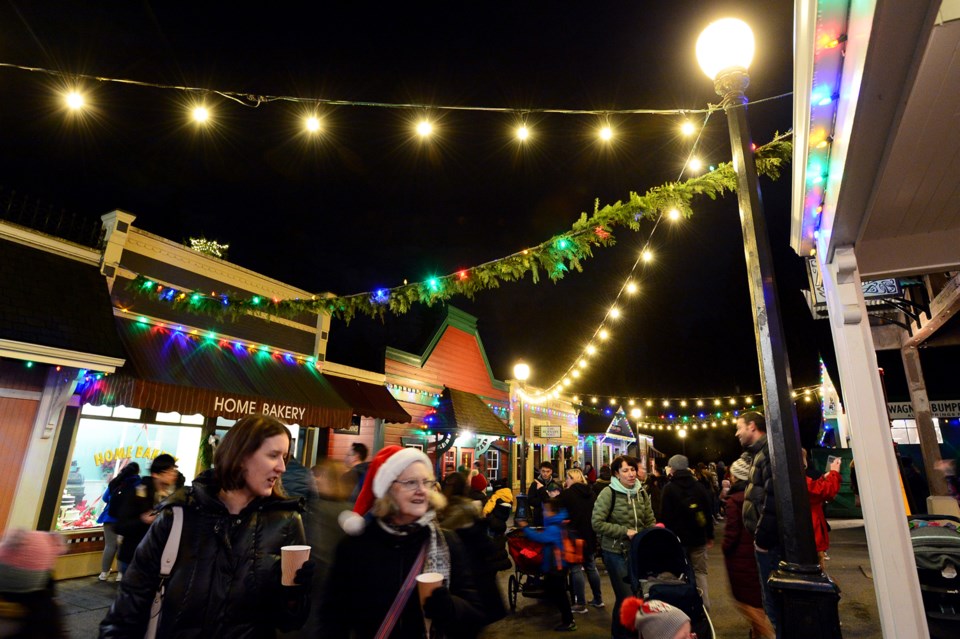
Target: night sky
366, 204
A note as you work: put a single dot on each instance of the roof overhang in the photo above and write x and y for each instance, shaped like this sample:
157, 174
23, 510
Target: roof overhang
877, 166
58, 356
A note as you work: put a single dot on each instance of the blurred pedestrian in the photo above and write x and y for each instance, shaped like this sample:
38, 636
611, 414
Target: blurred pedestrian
554, 567
462, 516
687, 510
603, 480
116, 492
226, 579
356, 462
578, 499
139, 509
821, 490
590, 472
620, 511
738, 556
370, 591
28, 607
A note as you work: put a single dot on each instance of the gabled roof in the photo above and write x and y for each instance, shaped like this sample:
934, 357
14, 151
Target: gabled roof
460, 410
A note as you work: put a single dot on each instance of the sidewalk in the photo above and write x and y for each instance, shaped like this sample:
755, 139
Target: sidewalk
85, 601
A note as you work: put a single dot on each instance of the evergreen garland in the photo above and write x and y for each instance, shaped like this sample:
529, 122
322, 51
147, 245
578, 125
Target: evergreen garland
553, 258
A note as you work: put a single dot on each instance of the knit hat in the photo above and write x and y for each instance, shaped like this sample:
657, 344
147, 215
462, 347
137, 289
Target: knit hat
652, 619
740, 469
26, 559
387, 465
679, 462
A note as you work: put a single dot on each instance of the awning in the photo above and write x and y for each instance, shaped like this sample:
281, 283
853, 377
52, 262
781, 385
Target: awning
169, 370
460, 410
369, 400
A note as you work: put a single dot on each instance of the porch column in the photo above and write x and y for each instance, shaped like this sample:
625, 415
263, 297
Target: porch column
895, 578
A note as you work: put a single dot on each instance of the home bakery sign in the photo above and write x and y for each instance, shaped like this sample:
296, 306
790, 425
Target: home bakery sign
235, 407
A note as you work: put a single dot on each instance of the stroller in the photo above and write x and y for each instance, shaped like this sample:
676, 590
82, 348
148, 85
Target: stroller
527, 574
661, 571
936, 549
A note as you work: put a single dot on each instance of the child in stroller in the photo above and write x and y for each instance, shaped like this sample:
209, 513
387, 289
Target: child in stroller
655, 619
663, 573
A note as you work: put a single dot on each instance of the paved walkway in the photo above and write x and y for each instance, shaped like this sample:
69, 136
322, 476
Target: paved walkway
86, 600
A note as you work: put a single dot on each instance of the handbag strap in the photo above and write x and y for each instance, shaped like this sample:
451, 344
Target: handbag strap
172, 547
401, 601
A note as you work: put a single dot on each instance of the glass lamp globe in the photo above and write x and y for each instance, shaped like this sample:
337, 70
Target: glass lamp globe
725, 44
521, 371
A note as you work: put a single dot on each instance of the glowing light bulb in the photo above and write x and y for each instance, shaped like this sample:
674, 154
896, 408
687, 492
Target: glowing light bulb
591, 349
699, 402
716, 402
733, 401
673, 214
695, 164
593, 400
603, 334
647, 256
683, 403
576, 398
631, 288
75, 101
635, 413
567, 382
424, 128
630, 402
614, 312
687, 128
201, 114
606, 134
582, 363
313, 124
748, 400
613, 401
666, 403
649, 403
575, 373
523, 133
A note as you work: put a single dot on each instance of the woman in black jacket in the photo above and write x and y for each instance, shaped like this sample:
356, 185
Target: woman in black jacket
226, 579
371, 587
577, 498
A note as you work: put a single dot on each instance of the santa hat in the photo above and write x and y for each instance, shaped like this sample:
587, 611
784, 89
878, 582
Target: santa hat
26, 559
387, 465
652, 619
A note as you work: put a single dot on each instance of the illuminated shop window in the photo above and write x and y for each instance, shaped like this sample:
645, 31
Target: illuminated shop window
103, 447
904, 431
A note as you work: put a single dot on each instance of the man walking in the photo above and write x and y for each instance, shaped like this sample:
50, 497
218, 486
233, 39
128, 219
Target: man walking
685, 509
357, 464
759, 504
538, 492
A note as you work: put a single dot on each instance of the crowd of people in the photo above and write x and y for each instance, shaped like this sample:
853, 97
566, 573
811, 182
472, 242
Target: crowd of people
375, 526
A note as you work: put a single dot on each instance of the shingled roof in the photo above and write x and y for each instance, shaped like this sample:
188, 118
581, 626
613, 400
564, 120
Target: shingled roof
55, 301
460, 410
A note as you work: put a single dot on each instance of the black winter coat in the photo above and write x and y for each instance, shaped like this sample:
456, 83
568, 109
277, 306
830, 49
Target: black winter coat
578, 501
367, 574
226, 580
760, 504
681, 490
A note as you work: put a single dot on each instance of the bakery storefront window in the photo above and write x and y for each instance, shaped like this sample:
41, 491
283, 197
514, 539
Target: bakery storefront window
108, 438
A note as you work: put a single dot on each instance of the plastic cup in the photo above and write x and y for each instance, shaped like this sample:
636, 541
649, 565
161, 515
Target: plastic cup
291, 559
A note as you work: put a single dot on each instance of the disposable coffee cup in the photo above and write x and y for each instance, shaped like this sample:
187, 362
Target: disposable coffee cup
426, 584
291, 559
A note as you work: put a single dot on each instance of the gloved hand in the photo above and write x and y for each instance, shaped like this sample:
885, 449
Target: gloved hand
304, 576
439, 606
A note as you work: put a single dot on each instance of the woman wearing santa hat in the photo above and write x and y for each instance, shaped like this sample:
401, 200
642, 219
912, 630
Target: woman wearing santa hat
393, 537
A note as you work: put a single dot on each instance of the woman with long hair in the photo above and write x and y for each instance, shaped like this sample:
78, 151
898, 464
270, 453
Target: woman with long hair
226, 579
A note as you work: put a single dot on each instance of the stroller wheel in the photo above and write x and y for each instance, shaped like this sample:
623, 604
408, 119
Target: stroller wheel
513, 587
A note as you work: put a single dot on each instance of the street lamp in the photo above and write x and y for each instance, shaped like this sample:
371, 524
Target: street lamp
522, 372
682, 434
807, 600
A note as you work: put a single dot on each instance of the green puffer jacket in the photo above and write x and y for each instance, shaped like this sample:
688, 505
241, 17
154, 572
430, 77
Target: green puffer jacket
628, 513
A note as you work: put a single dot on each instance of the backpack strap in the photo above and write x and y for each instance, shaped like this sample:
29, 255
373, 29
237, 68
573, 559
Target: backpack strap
613, 501
167, 560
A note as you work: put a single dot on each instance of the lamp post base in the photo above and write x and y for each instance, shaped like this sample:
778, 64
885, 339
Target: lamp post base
807, 602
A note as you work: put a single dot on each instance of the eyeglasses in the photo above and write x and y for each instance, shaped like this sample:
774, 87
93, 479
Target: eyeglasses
411, 485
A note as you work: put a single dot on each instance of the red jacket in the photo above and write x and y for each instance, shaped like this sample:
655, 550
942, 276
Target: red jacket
822, 490
738, 552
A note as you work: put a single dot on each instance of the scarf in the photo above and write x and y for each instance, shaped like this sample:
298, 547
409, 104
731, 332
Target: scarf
620, 488
438, 553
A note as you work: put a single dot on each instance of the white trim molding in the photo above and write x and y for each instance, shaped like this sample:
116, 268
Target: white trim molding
59, 356
49, 244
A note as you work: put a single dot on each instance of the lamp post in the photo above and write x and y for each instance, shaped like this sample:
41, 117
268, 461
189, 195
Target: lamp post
522, 372
806, 599
683, 440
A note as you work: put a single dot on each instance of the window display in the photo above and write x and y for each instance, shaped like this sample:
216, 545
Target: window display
104, 445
